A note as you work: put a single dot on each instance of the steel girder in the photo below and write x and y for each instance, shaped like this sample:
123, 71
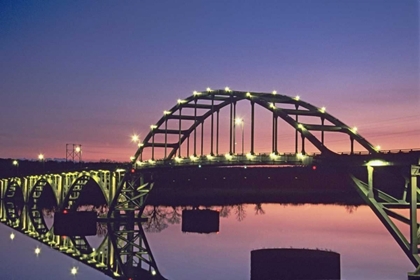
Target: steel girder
222, 98
385, 205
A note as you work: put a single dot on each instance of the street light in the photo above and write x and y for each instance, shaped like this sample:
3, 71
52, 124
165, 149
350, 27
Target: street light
42, 159
240, 121
135, 138
16, 163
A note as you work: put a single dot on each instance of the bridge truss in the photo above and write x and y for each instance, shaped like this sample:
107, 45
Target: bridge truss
187, 118
124, 252
397, 210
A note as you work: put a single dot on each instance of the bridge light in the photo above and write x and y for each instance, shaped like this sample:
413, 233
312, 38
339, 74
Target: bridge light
378, 148
120, 170
41, 157
354, 130
140, 145
37, 251
140, 163
297, 97
153, 126
248, 94
15, 163
166, 112
208, 89
300, 156
239, 121
227, 89
132, 158
322, 110
209, 157
274, 92
178, 159
180, 101
272, 105
153, 272
151, 161
377, 162
228, 156
12, 236
273, 156
301, 126
250, 156
134, 138
195, 93
193, 158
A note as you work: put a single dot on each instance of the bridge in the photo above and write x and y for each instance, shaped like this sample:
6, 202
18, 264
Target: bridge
192, 135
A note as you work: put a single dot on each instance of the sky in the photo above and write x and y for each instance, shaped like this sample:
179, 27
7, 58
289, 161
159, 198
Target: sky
96, 72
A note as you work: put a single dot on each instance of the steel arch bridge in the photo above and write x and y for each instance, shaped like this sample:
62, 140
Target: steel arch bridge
207, 105
126, 190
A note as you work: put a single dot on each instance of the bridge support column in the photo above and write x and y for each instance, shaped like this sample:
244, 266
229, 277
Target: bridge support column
231, 122
195, 130
296, 132
234, 127
303, 144
202, 138
252, 127
166, 135
383, 205
179, 135
370, 181
413, 209
217, 133
212, 124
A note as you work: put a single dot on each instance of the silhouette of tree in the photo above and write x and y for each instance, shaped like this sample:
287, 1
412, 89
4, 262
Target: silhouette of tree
240, 212
157, 219
225, 211
350, 208
258, 209
174, 216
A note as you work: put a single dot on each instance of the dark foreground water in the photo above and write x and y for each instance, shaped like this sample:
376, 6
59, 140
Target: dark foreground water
367, 250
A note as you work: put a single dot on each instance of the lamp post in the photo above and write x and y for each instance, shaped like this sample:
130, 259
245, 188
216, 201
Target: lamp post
240, 121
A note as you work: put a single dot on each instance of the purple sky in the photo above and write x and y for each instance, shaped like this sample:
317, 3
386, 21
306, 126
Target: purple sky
95, 72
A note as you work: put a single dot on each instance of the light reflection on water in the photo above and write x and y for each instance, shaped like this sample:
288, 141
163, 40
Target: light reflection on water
367, 250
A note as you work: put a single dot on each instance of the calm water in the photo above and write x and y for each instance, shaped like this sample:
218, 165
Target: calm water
367, 250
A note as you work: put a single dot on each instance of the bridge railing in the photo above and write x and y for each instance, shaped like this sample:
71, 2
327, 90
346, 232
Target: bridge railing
229, 159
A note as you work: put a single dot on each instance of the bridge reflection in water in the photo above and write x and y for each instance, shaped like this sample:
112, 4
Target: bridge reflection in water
244, 227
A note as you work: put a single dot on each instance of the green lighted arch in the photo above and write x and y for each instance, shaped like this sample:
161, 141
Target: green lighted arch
270, 101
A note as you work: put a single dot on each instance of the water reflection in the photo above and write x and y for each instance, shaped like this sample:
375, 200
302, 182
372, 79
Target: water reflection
367, 250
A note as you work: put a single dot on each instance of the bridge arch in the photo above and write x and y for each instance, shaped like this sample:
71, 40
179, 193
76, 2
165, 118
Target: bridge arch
71, 200
35, 211
14, 199
215, 100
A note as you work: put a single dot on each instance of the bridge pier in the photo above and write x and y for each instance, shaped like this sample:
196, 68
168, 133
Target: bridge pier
383, 205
